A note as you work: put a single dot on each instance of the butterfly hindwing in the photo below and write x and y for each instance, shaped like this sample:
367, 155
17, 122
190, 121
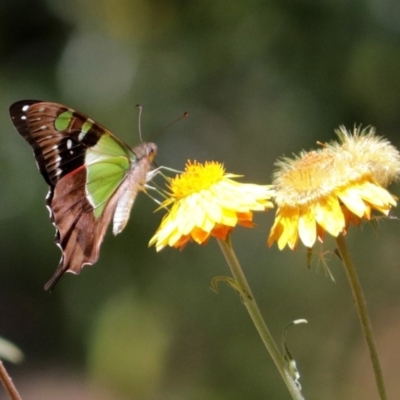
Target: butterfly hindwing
92, 175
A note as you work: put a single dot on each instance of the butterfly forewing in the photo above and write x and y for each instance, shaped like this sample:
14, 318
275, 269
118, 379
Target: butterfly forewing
60, 136
91, 173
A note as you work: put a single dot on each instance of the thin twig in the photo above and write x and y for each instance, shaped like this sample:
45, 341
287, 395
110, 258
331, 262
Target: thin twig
8, 383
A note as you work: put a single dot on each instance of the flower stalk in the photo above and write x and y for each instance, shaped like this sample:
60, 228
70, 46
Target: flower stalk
8, 383
362, 314
255, 314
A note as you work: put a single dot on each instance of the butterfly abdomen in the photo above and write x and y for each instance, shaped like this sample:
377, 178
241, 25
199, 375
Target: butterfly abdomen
127, 193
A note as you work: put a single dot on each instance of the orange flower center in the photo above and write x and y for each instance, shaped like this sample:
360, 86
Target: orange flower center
309, 172
195, 178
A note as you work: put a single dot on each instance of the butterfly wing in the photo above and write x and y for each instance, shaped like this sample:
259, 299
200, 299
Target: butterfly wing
86, 167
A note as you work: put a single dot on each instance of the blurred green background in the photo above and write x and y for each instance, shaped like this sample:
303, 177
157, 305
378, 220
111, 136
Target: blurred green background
260, 79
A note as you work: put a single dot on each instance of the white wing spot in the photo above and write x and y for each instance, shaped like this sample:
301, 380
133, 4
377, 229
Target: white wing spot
81, 136
71, 152
69, 144
25, 107
48, 207
41, 109
43, 127
23, 117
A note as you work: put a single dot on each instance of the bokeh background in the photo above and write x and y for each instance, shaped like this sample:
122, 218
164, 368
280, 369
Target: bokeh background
260, 79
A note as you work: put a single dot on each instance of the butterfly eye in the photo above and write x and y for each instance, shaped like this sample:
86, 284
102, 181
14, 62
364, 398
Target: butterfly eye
151, 149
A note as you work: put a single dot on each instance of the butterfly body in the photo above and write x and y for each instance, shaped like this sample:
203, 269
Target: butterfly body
93, 177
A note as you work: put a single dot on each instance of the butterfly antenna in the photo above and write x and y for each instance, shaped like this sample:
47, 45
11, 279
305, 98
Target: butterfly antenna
140, 108
156, 133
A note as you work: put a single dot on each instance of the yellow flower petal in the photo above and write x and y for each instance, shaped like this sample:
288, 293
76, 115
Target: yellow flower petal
284, 230
307, 228
329, 215
350, 197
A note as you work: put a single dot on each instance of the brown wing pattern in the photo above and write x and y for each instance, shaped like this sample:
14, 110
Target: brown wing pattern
78, 233
57, 152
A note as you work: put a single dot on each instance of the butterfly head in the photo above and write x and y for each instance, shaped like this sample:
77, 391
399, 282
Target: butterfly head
146, 150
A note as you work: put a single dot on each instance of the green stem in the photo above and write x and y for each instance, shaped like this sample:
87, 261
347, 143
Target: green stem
8, 383
362, 314
255, 314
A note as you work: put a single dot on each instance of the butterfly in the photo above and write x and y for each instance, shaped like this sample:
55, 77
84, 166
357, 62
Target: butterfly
93, 177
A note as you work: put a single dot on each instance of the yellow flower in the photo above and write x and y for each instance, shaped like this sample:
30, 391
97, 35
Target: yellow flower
205, 201
327, 189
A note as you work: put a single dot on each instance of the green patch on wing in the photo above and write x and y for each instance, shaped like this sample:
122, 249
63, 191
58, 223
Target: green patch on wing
86, 126
107, 164
110, 145
103, 179
62, 122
